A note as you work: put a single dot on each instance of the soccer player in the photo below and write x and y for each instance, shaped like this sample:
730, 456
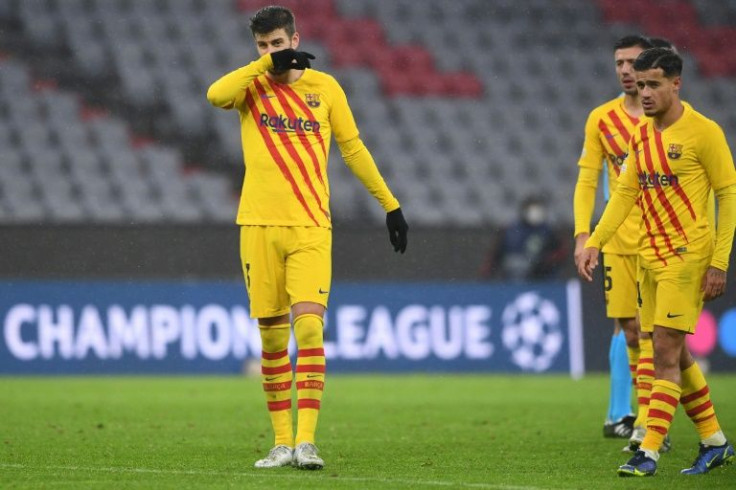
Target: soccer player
288, 115
607, 132
675, 159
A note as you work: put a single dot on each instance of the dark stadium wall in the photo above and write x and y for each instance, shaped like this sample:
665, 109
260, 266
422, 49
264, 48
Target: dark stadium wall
211, 251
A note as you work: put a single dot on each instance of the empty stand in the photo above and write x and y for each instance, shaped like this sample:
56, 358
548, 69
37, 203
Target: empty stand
468, 106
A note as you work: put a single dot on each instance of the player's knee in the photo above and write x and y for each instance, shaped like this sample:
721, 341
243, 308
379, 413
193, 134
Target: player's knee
308, 330
275, 338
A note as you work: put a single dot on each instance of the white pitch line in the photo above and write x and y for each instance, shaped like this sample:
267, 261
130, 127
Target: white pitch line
274, 475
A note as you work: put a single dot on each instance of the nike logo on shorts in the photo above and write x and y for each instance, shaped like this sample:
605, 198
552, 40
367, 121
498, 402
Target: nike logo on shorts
670, 315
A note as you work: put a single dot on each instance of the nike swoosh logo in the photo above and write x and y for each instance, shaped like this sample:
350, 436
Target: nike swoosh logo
323, 292
670, 315
272, 378
310, 376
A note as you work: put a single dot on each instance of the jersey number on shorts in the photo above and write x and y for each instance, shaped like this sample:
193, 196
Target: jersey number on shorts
607, 279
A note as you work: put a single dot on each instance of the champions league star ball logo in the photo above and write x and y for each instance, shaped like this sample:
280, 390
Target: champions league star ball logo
531, 331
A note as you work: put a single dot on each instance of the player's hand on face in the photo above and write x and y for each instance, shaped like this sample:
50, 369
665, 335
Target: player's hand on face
580, 246
588, 262
397, 230
714, 283
289, 59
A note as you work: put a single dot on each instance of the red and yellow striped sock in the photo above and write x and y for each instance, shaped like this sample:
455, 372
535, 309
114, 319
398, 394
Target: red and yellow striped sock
310, 374
662, 406
696, 402
633, 355
277, 377
644, 380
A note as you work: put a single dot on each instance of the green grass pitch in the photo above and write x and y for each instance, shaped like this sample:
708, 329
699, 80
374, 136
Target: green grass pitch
402, 431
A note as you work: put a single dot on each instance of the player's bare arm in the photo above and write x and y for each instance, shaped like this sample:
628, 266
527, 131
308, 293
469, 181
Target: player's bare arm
580, 240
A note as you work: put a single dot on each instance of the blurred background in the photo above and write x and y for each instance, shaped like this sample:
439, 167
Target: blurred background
114, 166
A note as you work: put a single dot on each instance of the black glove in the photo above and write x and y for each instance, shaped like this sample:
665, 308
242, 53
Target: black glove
288, 59
397, 229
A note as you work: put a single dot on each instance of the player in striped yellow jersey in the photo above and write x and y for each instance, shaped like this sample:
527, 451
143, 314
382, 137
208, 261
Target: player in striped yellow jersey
607, 133
289, 114
675, 159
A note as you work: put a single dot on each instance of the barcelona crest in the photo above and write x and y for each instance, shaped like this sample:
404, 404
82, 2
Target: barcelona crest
674, 151
312, 100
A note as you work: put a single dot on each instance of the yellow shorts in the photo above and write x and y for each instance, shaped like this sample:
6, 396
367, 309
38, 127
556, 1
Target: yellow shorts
284, 265
619, 285
671, 295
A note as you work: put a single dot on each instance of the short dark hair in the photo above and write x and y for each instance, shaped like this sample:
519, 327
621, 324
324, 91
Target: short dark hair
273, 17
664, 58
631, 41
660, 42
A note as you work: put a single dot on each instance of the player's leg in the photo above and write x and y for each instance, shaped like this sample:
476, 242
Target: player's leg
309, 275
619, 287
640, 464
668, 344
264, 278
644, 380
714, 449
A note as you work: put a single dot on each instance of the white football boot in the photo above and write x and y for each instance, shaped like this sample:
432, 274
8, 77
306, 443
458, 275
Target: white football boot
305, 457
278, 456
637, 435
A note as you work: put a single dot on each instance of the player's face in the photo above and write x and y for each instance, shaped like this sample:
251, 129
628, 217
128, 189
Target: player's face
275, 40
656, 92
624, 59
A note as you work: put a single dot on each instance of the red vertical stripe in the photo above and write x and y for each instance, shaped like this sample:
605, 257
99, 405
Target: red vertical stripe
306, 110
661, 193
633, 120
657, 190
276, 155
666, 166
645, 219
619, 125
652, 240
610, 139
289, 145
281, 94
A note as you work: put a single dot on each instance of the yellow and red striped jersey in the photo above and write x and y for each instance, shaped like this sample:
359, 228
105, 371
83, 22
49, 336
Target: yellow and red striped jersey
286, 130
607, 133
675, 170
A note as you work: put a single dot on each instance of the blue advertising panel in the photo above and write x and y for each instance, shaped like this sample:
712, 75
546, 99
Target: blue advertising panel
204, 327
